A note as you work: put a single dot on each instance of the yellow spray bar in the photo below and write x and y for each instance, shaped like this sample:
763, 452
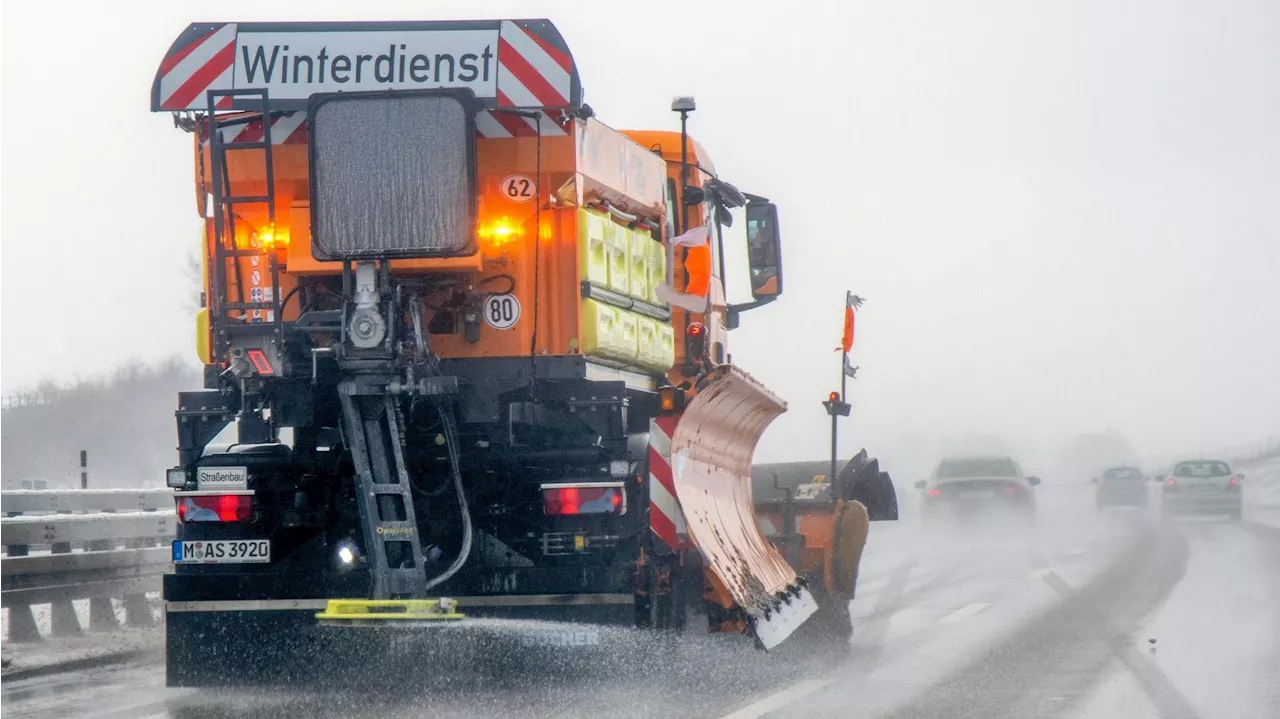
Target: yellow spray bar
385, 612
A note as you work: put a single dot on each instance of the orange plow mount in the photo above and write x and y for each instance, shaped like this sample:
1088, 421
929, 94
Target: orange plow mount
711, 454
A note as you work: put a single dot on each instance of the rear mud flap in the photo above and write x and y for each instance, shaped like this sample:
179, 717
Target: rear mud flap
711, 466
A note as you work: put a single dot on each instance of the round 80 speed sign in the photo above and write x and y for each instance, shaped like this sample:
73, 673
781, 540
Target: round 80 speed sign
501, 312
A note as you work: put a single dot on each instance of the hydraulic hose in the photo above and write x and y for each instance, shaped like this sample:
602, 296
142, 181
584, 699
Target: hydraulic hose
451, 441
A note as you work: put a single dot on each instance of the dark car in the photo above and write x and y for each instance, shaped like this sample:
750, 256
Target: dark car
978, 489
1203, 486
1121, 486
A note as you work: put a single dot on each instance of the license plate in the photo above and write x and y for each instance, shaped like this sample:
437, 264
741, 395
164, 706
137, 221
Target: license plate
222, 551
1206, 488
977, 494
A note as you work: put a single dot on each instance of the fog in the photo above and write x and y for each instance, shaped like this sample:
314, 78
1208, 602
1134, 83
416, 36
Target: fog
1063, 215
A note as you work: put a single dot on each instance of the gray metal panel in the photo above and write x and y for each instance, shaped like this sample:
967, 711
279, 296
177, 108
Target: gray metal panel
392, 176
86, 527
789, 474
85, 500
86, 561
81, 590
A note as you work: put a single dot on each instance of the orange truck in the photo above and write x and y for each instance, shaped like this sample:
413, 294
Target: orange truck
472, 343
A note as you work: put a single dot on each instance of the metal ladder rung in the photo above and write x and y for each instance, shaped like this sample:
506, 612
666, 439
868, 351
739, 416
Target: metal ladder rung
246, 145
249, 306
242, 199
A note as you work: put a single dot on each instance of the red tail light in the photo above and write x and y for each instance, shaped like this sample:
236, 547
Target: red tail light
1011, 489
935, 492
1234, 483
560, 500
215, 508
1170, 484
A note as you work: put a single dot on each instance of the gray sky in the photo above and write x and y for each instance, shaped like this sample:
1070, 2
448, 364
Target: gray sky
1066, 216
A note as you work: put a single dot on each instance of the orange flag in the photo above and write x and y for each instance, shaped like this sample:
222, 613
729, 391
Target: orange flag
849, 304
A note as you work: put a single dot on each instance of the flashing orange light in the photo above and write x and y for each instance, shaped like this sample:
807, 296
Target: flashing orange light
697, 329
500, 232
273, 238
833, 397
269, 238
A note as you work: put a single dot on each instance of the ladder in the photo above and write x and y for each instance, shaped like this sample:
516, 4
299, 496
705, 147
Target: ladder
258, 314
372, 425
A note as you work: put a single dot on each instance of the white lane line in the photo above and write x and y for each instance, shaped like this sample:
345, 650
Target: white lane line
772, 702
1039, 573
963, 613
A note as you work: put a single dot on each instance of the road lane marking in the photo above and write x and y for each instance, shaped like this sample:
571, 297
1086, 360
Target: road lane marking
781, 699
963, 613
1039, 573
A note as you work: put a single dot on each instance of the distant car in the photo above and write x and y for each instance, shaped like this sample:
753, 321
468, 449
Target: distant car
1120, 486
1205, 486
974, 489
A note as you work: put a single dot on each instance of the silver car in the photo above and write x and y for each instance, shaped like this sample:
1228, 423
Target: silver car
978, 489
1204, 486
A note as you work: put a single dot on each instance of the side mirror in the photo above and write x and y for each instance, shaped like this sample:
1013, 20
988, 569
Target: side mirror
1033, 481
764, 252
1094, 480
921, 484
1239, 476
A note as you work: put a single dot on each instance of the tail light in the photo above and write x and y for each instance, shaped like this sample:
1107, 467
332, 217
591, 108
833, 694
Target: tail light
1170, 485
564, 500
935, 492
215, 508
1011, 489
1233, 483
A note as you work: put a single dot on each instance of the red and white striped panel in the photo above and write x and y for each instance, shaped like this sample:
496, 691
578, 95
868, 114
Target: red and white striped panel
665, 516
205, 64
290, 128
531, 73
505, 124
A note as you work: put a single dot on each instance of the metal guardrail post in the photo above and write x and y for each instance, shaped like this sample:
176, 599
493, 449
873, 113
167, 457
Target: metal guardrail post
63, 612
22, 623
137, 613
102, 614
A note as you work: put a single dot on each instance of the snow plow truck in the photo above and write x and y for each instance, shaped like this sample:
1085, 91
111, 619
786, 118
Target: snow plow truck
465, 351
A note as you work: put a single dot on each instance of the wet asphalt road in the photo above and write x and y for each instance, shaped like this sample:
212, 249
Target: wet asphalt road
946, 625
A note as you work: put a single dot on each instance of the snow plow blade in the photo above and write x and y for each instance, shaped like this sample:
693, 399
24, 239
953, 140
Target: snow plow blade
711, 466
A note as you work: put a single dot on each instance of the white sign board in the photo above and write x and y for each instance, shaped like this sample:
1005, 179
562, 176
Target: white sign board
296, 65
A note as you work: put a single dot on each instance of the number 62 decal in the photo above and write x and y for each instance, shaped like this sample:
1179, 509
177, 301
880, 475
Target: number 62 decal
501, 312
518, 188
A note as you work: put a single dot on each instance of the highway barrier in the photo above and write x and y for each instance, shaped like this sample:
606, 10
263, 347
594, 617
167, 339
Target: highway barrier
63, 545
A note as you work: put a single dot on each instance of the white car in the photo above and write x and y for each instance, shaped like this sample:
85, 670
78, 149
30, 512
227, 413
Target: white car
1205, 486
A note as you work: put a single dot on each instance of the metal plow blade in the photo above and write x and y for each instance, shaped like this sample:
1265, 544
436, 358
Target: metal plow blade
711, 454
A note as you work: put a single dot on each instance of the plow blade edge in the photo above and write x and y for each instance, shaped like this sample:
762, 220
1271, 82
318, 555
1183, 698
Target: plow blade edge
711, 466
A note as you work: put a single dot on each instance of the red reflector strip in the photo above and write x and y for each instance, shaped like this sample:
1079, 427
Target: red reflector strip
260, 363
577, 499
215, 508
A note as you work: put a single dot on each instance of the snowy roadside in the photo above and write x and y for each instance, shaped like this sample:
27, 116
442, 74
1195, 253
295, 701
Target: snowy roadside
58, 654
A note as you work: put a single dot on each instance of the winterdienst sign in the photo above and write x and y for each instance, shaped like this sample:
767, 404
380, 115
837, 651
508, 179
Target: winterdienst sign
506, 63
